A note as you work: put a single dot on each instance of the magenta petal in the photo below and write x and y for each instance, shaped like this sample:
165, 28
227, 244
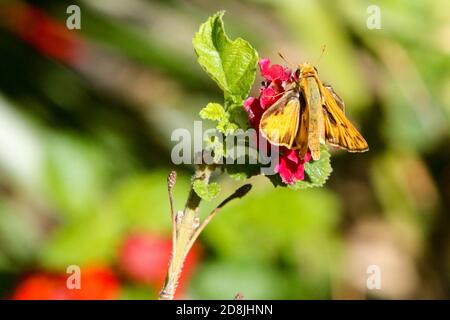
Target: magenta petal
248, 102
264, 65
292, 155
287, 74
254, 111
268, 97
284, 172
300, 173
307, 157
275, 72
290, 167
277, 168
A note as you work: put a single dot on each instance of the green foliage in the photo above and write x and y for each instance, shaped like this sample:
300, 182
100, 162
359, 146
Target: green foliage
212, 111
19, 237
134, 204
215, 112
75, 173
215, 147
138, 200
273, 219
90, 238
206, 191
137, 292
256, 281
284, 223
230, 63
316, 172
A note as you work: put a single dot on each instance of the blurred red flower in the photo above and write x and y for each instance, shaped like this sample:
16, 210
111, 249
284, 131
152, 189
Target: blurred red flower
290, 166
44, 33
144, 257
97, 283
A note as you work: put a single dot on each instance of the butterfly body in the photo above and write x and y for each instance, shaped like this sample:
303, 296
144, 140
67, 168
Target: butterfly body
307, 114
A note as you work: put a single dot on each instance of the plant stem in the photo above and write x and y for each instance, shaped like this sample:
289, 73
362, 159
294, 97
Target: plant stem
186, 224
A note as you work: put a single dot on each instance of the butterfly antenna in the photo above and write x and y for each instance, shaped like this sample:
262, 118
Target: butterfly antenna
285, 60
322, 51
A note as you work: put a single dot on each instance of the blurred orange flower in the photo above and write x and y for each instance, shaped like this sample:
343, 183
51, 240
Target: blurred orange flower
97, 283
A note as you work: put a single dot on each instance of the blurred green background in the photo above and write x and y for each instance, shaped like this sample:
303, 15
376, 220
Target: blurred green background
85, 124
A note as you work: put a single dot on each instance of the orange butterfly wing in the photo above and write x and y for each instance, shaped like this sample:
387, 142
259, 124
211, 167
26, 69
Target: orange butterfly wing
279, 123
339, 131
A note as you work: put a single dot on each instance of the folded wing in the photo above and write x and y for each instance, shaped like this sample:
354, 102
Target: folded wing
339, 131
279, 124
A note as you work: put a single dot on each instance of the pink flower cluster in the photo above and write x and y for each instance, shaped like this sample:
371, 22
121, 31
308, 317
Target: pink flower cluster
290, 166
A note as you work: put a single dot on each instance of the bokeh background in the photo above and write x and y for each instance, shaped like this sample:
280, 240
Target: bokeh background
85, 124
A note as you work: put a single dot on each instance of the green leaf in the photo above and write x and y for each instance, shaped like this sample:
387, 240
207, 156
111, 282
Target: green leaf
75, 174
307, 215
316, 172
216, 146
238, 116
137, 200
230, 63
91, 238
213, 111
226, 126
206, 191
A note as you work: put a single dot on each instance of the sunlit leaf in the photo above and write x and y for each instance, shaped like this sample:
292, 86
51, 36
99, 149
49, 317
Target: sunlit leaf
230, 63
316, 172
212, 111
206, 191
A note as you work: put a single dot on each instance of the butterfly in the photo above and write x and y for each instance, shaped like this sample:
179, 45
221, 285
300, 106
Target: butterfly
308, 113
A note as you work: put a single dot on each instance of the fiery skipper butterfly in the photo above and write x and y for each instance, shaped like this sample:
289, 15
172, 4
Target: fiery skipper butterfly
310, 112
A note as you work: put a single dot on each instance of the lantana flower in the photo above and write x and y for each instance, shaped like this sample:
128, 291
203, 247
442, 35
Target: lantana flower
290, 166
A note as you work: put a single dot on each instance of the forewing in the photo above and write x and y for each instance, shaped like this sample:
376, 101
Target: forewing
339, 131
336, 97
279, 124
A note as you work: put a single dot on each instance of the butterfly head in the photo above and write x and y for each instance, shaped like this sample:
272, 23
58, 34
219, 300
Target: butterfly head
306, 70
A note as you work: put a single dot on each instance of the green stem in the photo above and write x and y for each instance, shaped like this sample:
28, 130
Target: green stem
187, 223
187, 226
